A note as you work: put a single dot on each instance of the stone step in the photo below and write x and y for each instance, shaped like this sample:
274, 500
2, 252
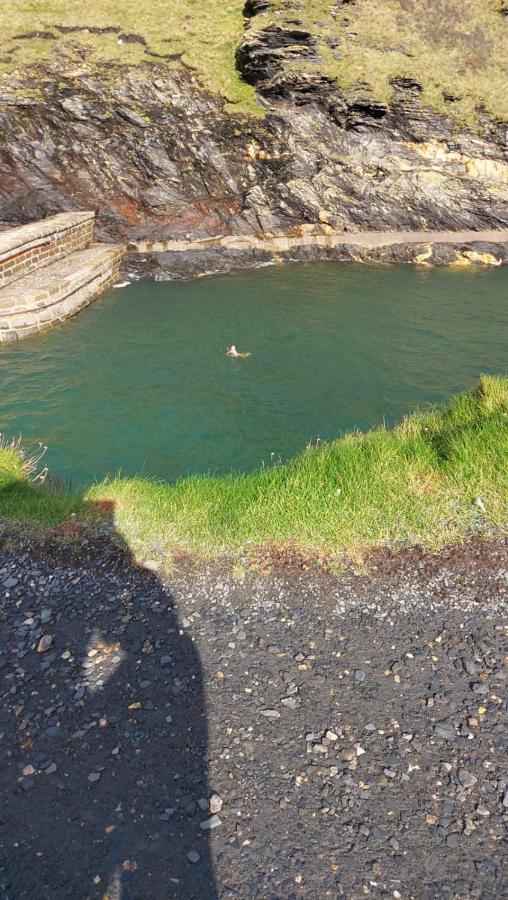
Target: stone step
57, 291
29, 247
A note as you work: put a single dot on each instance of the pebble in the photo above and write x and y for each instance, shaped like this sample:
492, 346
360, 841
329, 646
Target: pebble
445, 731
45, 643
209, 824
290, 702
216, 803
467, 779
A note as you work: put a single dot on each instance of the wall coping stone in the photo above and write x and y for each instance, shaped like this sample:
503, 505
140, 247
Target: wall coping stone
16, 238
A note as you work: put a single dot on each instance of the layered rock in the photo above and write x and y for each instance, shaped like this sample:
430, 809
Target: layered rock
158, 157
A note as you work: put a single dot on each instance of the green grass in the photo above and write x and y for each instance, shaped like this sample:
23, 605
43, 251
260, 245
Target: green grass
451, 47
418, 482
454, 48
205, 33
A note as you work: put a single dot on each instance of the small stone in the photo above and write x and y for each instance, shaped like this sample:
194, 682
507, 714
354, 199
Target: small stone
359, 675
166, 815
209, 824
445, 731
270, 713
10, 582
469, 665
452, 840
51, 769
216, 803
46, 616
94, 776
466, 778
290, 702
193, 856
45, 643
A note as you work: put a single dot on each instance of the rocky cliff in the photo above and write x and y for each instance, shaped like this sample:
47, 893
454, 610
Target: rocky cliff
159, 157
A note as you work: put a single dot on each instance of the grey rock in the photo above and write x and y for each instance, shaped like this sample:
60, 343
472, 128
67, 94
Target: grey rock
211, 823
467, 779
446, 731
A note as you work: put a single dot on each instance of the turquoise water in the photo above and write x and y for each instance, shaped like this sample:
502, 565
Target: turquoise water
139, 382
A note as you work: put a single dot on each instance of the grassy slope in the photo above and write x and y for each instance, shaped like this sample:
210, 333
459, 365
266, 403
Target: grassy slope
418, 482
454, 47
206, 33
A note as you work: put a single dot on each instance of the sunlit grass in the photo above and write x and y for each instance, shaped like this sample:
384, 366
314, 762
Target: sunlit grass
456, 49
205, 33
430, 480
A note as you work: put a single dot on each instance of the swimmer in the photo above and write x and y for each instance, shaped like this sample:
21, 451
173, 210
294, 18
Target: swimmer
236, 353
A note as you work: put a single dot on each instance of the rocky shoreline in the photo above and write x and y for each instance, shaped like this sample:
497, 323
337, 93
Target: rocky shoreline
167, 260
161, 159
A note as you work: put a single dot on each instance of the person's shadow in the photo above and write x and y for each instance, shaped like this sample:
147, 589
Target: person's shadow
103, 784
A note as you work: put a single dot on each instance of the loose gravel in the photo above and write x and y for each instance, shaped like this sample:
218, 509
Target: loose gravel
238, 733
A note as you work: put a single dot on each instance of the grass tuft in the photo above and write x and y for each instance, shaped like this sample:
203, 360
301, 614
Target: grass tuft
432, 480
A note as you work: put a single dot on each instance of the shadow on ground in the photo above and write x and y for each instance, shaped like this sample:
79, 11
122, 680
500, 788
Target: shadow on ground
104, 732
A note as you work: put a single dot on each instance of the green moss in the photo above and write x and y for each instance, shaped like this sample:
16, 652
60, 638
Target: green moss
419, 482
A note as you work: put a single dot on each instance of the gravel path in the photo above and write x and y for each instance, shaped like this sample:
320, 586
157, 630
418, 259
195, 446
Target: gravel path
276, 733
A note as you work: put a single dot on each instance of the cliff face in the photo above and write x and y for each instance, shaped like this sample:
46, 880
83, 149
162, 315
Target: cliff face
159, 157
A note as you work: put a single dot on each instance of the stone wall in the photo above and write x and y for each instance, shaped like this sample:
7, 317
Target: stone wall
28, 247
53, 294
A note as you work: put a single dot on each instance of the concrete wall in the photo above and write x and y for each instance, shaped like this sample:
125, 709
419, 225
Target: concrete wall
28, 247
320, 236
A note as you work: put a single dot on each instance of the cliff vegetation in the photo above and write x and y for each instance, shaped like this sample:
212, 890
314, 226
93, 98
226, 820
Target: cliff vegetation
432, 480
453, 50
